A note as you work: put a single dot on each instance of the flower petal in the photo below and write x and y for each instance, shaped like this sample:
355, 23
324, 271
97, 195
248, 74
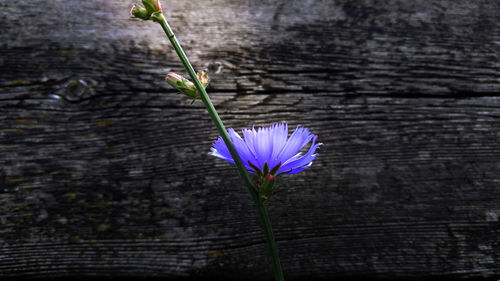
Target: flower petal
300, 137
280, 136
220, 150
242, 148
250, 136
263, 146
300, 163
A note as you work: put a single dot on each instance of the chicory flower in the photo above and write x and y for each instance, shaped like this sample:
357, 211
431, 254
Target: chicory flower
270, 148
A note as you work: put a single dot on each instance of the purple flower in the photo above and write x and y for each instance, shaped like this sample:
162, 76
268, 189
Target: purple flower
270, 145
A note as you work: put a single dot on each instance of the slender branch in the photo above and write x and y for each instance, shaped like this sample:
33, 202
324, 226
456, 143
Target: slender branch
261, 208
206, 100
271, 243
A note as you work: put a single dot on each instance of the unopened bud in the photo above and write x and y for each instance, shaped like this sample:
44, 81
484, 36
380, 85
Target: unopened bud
183, 85
203, 77
174, 79
153, 6
140, 12
151, 10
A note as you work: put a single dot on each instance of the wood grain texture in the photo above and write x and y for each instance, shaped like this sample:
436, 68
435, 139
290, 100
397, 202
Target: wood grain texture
104, 170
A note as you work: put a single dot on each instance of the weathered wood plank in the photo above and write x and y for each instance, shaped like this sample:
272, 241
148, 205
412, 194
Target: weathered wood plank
104, 172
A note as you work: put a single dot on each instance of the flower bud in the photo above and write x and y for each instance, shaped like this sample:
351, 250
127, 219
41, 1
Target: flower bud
140, 12
185, 86
174, 79
152, 6
203, 77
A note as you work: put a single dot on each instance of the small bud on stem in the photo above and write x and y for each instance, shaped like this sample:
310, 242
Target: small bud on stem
139, 12
153, 6
185, 86
146, 12
203, 77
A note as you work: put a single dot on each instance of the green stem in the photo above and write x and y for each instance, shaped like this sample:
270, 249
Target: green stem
271, 243
261, 208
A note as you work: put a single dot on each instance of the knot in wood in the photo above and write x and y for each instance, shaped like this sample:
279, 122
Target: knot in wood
77, 90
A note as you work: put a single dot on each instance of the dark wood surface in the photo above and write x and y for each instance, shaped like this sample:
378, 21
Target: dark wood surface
104, 169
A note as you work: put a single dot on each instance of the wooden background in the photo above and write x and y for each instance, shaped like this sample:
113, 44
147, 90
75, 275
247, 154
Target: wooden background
104, 169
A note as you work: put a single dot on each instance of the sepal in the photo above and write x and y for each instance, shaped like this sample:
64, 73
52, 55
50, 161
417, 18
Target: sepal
255, 169
266, 180
275, 169
266, 187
